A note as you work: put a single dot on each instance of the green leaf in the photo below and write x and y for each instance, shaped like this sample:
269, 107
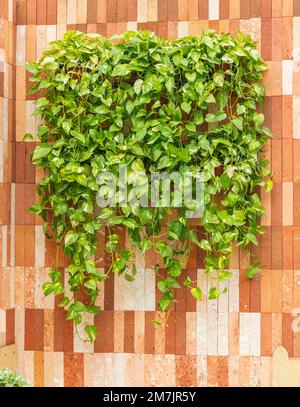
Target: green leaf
253, 269
214, 293
218, 78
238, 122
138, 86
258, 119
70, 238
41, 151
186, 107
48, 288
91, 332
64, 302
28, 137
197, 293
164, 162
121, 70
170, 84
32, 67
212, 118
191, 76
268, 185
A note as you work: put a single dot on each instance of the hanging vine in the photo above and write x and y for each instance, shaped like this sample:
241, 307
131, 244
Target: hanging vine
153, 105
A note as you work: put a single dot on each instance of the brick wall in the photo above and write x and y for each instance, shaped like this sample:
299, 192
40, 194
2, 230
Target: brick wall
217, 343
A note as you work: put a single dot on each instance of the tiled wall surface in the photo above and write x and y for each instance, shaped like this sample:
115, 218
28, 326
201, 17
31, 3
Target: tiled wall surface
217, 343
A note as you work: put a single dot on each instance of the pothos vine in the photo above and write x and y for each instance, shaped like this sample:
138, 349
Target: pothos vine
153, 105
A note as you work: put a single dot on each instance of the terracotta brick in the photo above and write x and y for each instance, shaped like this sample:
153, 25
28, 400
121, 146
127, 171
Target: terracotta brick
111, 11
128, 331
38, 369
296, 247
73, 370
287, 247
234, 9
277, 39
31, 11
10, 326
172, 30
34, 323
296, 161
186, 370
19, 245
21, 12
287, 37
244, 291
287, 160
162, 29
296, 8
51, 11
173, 10
277, 290
20, 162
296, 204
224, 9
104, 323
212, 371
183, 12
234, 26
131, 10
276, 329
63, 332
5, 204
214, 25
41, 11
276, 160
149, 332
92, 11
276, 247
287, 117
276, 204
162, 10
287, 333
170, 334
142, 26
276, 8
245, 9
180, 295
287, 7
255, 294
255, 8
222, 371
101, 29
202, 10
180, 318
266, 34
193, 6
121, 10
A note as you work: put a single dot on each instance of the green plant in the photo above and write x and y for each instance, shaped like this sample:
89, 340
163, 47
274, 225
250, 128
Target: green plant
155, 105
11, 379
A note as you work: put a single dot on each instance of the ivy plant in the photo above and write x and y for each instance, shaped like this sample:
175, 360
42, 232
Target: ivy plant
153, 105
9, 378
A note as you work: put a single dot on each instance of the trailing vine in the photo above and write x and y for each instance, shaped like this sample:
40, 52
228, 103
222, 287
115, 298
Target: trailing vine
153, 105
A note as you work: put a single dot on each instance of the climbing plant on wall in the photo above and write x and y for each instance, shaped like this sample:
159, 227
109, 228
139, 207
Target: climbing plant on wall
153, 105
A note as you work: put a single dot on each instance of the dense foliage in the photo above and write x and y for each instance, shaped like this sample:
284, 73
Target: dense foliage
154, 105
11, 379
